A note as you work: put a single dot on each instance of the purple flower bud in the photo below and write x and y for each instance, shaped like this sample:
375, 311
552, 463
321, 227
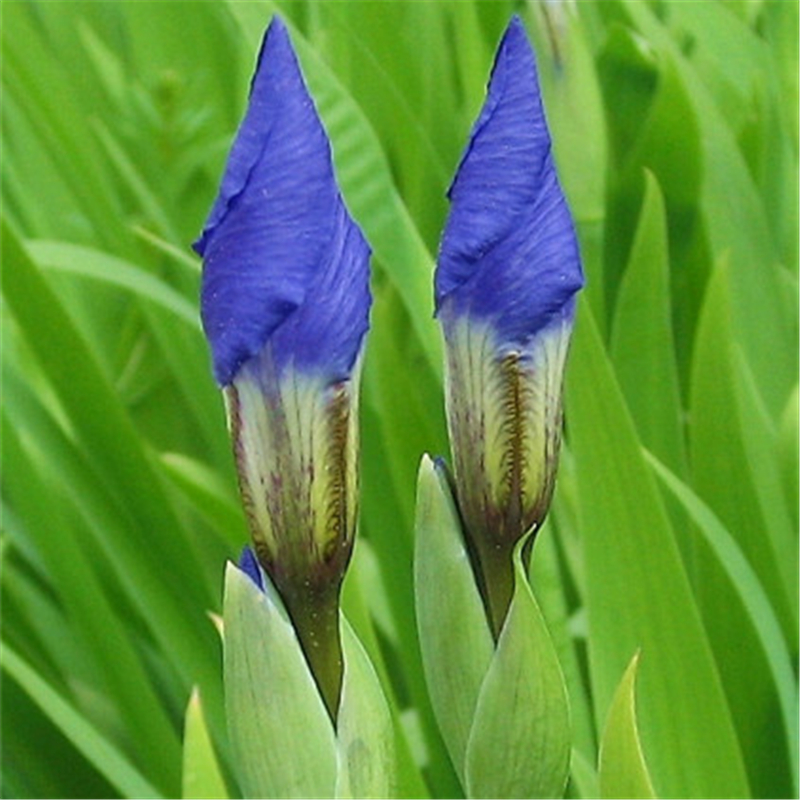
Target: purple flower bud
507, 275
285, 306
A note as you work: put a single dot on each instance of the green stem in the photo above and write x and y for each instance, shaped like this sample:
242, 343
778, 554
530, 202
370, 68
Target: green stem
315, 616
496, 563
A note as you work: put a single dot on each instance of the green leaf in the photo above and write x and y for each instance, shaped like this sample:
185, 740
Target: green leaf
365, 607
788, 436
206, 490
87, 262
549, 575
174, 321
583, 781
647, 85
623, 771
454, 634
519, 745
119, 668
133, 569
201, 773
722, 422
108, 761
36, 78
152, 547
95, 410
638, 595
736, 223
281, 735
642, 345
399, 93
364, 735
753, 657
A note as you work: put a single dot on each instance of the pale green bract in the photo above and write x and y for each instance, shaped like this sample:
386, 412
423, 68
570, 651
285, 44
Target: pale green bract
283, 740
503, 711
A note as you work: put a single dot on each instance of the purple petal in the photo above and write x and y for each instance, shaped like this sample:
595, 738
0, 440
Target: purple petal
249, 565
509, 253
280, 251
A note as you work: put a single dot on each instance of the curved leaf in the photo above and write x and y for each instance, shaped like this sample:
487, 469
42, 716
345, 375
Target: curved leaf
751, 651
364, 736
282, 738
638, 594
623, 771
454, 634
519, 745
86, 738
201, 773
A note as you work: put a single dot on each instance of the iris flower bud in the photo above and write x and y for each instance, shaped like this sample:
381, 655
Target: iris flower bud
285, 306
507, 275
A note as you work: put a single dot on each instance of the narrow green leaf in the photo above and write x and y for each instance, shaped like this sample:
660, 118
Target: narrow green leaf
388, 522
205, 489
282, 737
364, 731
374, 60
760, 437
38, 759
780, 20
187, 640
519, 745
177, 331
365, 605
642, 345
753, 657
88, 262
202, 777
638, 595
118, 666
730, 485
33, 621
128, 173
736, 223
548, 574
623, 771
97, 414
108, 761
583, 780
652, 92
188, 263
34, 75
454, 634
788, 436
729, 55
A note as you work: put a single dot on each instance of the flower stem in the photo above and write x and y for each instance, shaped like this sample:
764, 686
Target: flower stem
315, 615
496, 567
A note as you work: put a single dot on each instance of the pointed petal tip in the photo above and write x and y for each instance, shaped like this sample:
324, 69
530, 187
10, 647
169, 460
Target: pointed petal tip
276, 76
516, 32
276, 48
267, 245
509, 250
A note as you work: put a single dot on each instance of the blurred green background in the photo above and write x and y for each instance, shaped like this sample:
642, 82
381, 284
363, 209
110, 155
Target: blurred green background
674, 530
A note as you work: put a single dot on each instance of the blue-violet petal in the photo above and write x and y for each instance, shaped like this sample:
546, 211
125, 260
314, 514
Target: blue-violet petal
249, 565
509, 254
283, 260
